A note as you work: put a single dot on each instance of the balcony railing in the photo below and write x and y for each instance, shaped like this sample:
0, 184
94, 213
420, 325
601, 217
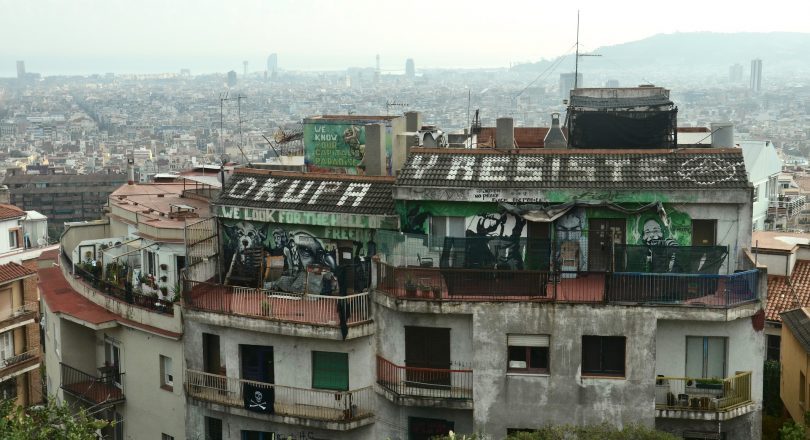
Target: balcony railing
325, 405
19, 362
28, 308
129, 296
450, 284
695, 394
430, 383
291, 307
107, 388
786, 206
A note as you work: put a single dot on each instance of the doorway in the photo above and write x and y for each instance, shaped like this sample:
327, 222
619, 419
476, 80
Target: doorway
427, 347
603, 233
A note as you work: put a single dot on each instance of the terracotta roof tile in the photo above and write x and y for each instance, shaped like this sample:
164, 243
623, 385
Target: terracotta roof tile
783, 296
12, 271
10, 211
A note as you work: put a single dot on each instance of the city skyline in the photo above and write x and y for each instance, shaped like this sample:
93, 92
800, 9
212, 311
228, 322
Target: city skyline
99, 37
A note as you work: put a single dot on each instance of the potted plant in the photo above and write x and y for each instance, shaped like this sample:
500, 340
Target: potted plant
410, 287
164, 290
437, 292
710, 384
425, 289
164, 266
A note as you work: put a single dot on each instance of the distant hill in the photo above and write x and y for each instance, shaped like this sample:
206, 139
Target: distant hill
700, 51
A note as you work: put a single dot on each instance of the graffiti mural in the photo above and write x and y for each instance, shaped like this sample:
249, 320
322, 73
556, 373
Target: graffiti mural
571, 241
293, 259
494, 240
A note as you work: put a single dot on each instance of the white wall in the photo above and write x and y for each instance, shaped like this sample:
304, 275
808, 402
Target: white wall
4, 227
745, 349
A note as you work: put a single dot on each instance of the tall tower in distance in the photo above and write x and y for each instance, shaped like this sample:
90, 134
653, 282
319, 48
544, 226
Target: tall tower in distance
377, 70
231, 78
410, 68
20, 69
244, 68
567, 83
735, 73
756, 75
272, 63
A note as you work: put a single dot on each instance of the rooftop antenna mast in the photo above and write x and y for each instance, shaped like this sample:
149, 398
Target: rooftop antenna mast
576, 58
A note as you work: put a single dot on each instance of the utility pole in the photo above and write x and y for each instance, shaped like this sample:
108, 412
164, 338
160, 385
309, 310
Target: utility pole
576, 58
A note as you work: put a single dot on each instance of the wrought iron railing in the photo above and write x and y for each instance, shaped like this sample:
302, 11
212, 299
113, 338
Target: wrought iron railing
701, 394
26, 308
95, 389
326, 405
683, 289
424, 382
17, 359
264, 304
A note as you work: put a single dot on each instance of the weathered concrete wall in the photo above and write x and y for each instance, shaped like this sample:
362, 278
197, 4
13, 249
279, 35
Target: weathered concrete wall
778, 264
391, 334
505, 400
733, 230
76, 232
392, 420
292, 356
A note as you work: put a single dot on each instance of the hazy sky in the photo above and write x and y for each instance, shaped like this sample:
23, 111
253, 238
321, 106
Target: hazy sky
85, 36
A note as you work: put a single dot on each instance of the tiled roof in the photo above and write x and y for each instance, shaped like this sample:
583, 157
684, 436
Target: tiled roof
799, 324
12, 271
525, 137
782, 297
541, 168
10, 211
338, 193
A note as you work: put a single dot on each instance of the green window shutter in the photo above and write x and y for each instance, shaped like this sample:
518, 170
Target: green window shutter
330, 370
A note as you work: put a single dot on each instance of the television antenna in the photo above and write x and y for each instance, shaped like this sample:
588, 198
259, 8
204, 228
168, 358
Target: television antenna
393, 103
576, 58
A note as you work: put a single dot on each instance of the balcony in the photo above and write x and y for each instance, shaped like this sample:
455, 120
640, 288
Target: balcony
703, 399
19, 314
787, 206
19, 363
119, 293
425, 386
335, 312
95, 390
621, 288
338, 410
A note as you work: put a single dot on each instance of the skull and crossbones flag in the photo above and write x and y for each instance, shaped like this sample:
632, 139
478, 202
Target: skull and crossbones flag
258, 398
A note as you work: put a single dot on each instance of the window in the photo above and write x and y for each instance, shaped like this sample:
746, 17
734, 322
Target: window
756, 193
527, 353
773, 347
13, 238
166, 437
330, 370
150, 263
6, 345
603, 355
441, 227
118, 427
802, 388
112, 361
213, 428
166, 373
8, 389
705, 356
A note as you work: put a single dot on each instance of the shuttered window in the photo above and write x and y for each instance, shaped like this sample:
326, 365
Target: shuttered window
330, 370
527, 353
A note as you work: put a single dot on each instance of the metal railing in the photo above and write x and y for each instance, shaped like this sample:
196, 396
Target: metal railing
94, 389
446, 284
333, 406
700, 394
25, 308
20, 358
264, 304
424, 382
130, 296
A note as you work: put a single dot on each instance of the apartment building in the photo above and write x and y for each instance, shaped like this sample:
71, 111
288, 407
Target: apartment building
508, 290
112, 313
20, 356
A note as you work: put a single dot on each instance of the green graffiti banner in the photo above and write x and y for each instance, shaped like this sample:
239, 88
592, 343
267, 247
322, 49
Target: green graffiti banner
334, 145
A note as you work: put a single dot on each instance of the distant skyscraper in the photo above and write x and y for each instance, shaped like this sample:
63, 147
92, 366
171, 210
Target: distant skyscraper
735, 73
612, 83
244, 68
20, 69
567, 83
231, 78
410, 68
272, 63
756, 75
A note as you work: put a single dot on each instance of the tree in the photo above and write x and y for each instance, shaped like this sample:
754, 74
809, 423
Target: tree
46, 422
605, 431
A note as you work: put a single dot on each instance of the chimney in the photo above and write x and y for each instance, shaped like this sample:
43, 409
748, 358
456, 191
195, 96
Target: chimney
555, 137
722, 134
504, 133
374, 158
413, 121
130, 170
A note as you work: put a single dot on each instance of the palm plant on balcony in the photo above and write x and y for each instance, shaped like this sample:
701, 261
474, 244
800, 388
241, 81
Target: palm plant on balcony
410, 286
